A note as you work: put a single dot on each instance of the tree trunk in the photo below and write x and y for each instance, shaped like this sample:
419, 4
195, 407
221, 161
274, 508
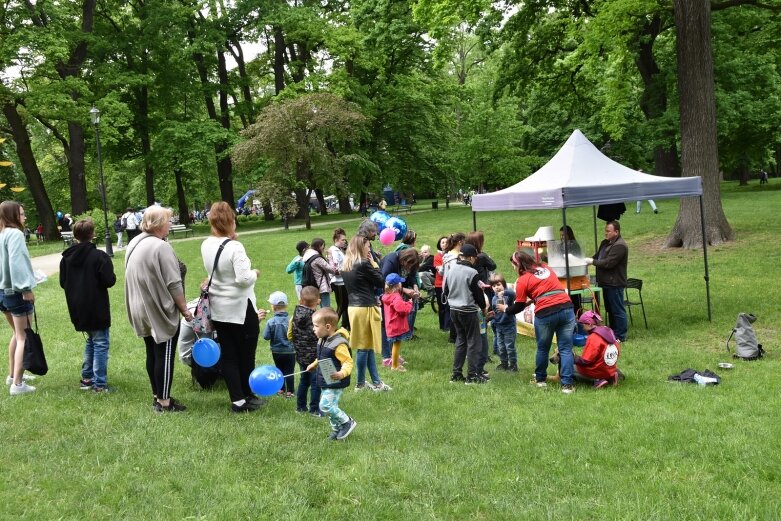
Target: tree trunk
344, 204
142, 124
279, 60
224, 165
321, 201
699, 149
302, 199
184, 213
24, 151
77, 182
268, 212
666, 162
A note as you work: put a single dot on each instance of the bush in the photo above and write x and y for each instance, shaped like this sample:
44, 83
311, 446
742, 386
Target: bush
96, 214
241, 218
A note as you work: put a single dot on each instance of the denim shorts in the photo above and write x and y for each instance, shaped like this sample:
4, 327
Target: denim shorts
14, 303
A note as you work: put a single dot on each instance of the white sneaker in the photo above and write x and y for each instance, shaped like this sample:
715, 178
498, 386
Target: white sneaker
382, 386
25, 378
21, 389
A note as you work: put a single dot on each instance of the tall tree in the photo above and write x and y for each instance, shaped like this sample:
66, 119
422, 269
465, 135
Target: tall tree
699, 148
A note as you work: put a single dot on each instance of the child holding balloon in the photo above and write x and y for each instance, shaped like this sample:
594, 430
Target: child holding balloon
334, 348
300, 332
396, 311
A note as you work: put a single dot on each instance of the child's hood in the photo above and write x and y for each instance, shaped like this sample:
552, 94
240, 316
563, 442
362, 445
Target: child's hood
606, 333
387, 298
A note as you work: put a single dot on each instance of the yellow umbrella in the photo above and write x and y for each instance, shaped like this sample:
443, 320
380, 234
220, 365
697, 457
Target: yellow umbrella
17, 189
2, 185
6, 163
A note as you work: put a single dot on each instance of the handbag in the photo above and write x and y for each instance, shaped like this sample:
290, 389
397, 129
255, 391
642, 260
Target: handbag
202, 318
34, 357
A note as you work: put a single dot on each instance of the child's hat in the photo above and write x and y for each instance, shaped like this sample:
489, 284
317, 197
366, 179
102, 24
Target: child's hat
394, 278
590, 317
278, 298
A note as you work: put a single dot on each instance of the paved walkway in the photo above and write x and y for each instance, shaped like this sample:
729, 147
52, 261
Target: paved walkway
50, 264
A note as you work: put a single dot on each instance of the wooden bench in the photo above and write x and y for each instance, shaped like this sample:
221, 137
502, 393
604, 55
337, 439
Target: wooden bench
180, 228
67, 238
402, 208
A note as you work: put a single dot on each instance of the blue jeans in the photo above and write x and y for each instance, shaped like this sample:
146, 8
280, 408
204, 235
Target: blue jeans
366, 359
14, 303
614, 305
95, 364
562, 323
329, 404
505, 338
325, 300
307, 382
386, 346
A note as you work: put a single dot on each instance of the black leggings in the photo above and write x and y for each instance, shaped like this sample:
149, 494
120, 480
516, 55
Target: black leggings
160, 365
238, 343
340, 295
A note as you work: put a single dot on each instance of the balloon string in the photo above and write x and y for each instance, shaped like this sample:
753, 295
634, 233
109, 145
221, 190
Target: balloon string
293, 374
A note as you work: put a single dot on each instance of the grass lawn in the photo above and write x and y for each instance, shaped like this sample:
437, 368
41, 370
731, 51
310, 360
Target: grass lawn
429, 449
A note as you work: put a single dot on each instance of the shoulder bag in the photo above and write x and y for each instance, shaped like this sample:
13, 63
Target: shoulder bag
202, 318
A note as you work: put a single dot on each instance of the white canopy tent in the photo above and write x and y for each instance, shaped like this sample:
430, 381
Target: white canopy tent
580, 175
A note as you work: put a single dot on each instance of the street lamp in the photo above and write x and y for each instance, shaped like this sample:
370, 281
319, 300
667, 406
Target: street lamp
95, 117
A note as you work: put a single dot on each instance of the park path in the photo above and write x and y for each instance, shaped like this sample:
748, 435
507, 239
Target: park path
50, 264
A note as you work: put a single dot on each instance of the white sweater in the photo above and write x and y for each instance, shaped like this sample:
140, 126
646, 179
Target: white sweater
233, 282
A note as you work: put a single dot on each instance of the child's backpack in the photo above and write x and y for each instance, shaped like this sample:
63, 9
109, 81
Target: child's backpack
123, 223
745, 339
307, 274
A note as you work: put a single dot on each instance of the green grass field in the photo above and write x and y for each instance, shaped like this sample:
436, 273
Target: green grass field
429, 449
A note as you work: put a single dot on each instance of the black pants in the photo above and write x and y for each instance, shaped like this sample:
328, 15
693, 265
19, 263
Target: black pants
286, 362
340, 295
468, 343
444, 311
238, 343
160, 365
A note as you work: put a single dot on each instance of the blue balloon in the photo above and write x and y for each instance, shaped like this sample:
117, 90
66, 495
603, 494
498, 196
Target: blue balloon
266, 380
59, 215
399, 225
579, 340
380, 217
206, 352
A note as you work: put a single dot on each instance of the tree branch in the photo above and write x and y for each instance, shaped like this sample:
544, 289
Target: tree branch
726, 4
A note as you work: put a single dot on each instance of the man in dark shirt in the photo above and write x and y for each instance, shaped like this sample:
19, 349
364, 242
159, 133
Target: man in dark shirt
611, 260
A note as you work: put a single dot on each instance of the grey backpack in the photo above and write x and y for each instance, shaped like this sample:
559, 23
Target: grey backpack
745, 339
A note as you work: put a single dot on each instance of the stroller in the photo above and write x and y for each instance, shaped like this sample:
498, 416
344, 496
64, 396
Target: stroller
427, 292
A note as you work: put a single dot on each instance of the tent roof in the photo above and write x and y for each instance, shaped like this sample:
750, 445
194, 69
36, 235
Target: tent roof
581, 175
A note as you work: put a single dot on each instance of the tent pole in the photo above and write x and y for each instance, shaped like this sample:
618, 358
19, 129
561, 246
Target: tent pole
594, 210
705, 256
566, 248
474, 221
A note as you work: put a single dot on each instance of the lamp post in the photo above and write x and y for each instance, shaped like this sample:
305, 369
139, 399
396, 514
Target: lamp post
95, 116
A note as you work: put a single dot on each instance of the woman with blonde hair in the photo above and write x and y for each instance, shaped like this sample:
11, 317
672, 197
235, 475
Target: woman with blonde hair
233, 306
154, 299
16, 290
362, 279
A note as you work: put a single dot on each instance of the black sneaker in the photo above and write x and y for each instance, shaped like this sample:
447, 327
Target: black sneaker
301, 411
502, 367
456, 378
345, 429
256, 401
245, 407
485, 375
317, 413
513, 368
333, 435
85, 385
173, 406
476, 380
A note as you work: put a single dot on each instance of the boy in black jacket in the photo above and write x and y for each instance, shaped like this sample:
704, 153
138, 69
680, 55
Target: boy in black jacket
302, 335
86, 273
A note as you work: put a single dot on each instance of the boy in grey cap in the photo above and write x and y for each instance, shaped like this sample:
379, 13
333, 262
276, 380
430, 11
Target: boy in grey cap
281, 348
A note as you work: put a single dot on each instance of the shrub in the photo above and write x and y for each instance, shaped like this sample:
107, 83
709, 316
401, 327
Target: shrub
96, 214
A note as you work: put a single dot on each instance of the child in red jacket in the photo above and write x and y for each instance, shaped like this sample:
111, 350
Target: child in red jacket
600, 355
396, 310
